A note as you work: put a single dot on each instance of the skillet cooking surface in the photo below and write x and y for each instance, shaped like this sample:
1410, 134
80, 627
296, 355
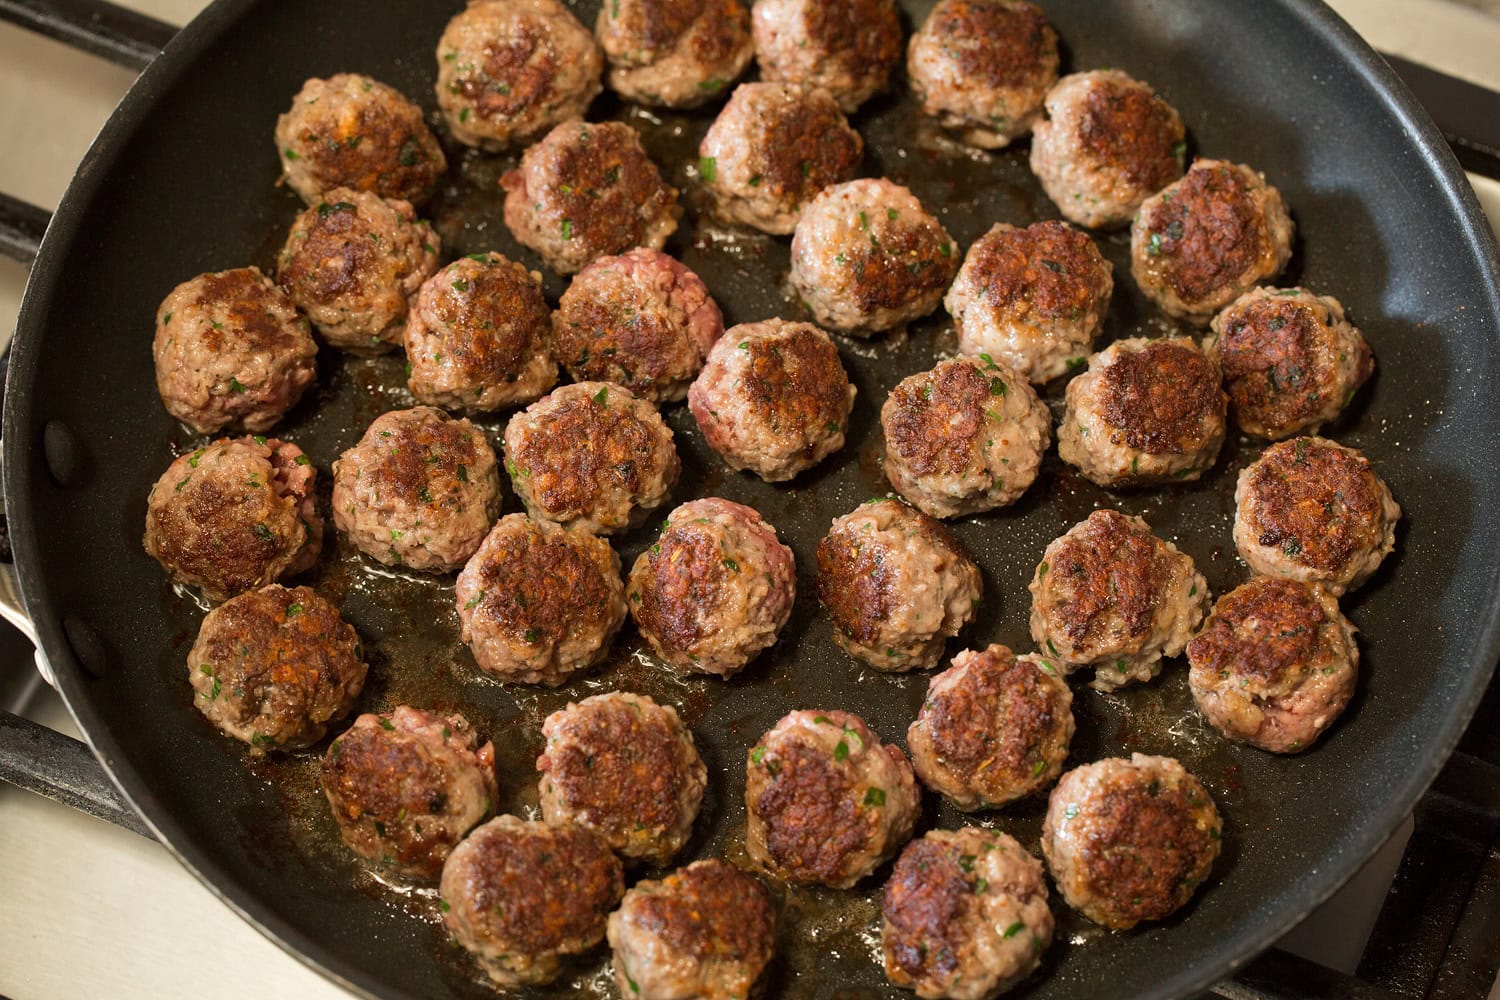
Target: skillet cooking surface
183, 181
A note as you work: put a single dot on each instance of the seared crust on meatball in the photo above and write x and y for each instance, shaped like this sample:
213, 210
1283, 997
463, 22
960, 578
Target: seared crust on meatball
1130, 840
676, 53
846, 47
1209, 238
521, 897
827, 802
1313, 510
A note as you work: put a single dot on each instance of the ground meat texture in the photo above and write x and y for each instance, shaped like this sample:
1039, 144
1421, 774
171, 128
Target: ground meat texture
675, 53
406, 785
715, 589
846, 47
707, 930
896, 585
1112, 596
1312, 510
591, 455
353, 262
965, 915
350, 131
993, 728
231, 350
866, 257
827, 802
539, 603
964, 437
235, 515
478, 337
586, 191
773, 398
1146, 412
522, 897
1291, 361
1209, 238
641, 320
1107, 144
509, 70
419, 490
1130, 840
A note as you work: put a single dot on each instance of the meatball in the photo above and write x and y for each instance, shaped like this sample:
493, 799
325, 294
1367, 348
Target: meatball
771, 150
1146, 412
1291, 361
896, 584
983, 68
1275, 664
478, 336
231, 350
1107, 144
235, 515
586, 191
509, 70
406, 785
350, 131
626, 768
591, 455
993, 728
353, 263
773, 398
827, 801
964, 437
715, 589
1310, 509
1208, 239
965, 915
539, 603
846, 47
521, 897
1033, 299
1130, 840
1112, 596
641, 320
419, 490
866, 257
706, 930
676, 53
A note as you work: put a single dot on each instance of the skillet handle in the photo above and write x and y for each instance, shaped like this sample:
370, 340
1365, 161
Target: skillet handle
63, 769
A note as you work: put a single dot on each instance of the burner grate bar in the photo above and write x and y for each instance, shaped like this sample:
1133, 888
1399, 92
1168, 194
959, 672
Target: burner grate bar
122, 36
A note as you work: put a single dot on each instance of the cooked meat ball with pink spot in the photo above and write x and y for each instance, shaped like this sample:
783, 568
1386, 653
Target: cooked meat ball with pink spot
588, 190
1130, 840
965, 915
591, 455
896, 585
1147, 412
715, 589
235, 515
405, 787
1112, 596
231, 350
509, 70
773, 398
1108, 142
641, 320
867, 257
675, 53
351, 131
964, 437
478, 337
846, 47
626, 768
1208, 239
539, 603
419, 490
1311, 509
771, 150
827, 801
353, 262
522, 897
994, 727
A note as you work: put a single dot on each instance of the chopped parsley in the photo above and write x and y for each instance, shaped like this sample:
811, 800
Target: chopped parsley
708, 168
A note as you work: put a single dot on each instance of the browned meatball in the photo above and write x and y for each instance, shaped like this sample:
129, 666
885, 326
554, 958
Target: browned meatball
676, 53
846, 47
